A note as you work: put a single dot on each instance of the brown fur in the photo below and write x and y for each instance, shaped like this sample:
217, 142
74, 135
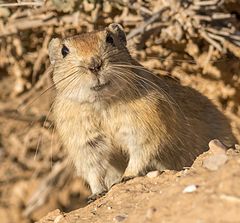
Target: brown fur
136, 123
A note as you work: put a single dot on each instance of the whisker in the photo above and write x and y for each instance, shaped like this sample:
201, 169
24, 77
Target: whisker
20, 108
166, 97
52, 133
129, 81
151, 83
38, 145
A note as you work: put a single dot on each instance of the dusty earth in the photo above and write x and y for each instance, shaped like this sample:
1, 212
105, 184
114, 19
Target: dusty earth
35, 176
206, 192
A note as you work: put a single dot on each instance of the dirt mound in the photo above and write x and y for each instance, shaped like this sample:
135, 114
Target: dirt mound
206, 192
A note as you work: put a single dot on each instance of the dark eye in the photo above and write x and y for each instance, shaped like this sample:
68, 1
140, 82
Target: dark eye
110, 40
65, 51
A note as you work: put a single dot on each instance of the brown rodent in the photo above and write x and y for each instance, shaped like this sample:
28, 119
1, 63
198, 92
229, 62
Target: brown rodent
119, 120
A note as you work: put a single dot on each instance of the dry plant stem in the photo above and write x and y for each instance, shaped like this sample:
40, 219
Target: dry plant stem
35, 88
210, 40
47, 185
227, 33
232, 48
207, 3
25, 118
208, 58
151, 20
22, 4
42, 54
46, 20
192, 21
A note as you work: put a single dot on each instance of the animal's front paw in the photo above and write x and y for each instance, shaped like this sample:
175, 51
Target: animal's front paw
94, 197
129, 174
126, 178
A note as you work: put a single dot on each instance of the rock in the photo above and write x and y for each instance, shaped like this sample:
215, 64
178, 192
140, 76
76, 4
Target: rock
218, 157
214, 162
216, 147
55, 216
119, 218
190, 188
153, 174
150, 212
237, 147
58, 219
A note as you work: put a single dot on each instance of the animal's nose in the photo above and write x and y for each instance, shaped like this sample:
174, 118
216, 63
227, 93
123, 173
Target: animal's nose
95, 64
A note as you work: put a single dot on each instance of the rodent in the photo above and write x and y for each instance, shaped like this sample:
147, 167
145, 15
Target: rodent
119, 120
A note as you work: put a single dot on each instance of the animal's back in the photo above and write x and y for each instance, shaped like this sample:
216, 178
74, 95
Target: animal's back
192, 121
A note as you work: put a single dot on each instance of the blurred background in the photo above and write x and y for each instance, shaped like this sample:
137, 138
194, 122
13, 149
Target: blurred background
196, 42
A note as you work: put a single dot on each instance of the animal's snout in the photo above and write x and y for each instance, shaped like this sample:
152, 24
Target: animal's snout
95, 65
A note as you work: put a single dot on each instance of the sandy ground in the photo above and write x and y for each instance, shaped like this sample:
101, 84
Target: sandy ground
205, 193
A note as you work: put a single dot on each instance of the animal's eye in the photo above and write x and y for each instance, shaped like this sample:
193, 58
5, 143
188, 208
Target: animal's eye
65, 51
110, 40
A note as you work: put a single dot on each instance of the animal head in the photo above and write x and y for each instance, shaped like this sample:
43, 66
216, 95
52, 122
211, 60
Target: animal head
91, 66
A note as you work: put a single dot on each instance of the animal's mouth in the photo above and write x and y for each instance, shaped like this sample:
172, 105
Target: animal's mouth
100, 86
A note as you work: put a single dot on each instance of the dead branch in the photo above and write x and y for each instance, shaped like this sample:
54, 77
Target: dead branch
151, 20
13, 114
22, 4
47, 185
46, 20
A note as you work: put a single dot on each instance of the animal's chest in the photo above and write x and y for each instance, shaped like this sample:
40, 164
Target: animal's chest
122, 127
79, 124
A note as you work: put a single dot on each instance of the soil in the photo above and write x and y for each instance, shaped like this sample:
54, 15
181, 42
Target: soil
212, 196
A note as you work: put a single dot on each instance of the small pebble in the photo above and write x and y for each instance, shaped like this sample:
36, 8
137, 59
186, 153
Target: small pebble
119, 218
153, 174
237, 147
190, 188
109, 208
214, 162
150, 212
58, 218
216, 147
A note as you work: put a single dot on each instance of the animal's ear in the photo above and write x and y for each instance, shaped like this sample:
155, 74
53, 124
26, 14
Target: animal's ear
54, 50
118, 31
